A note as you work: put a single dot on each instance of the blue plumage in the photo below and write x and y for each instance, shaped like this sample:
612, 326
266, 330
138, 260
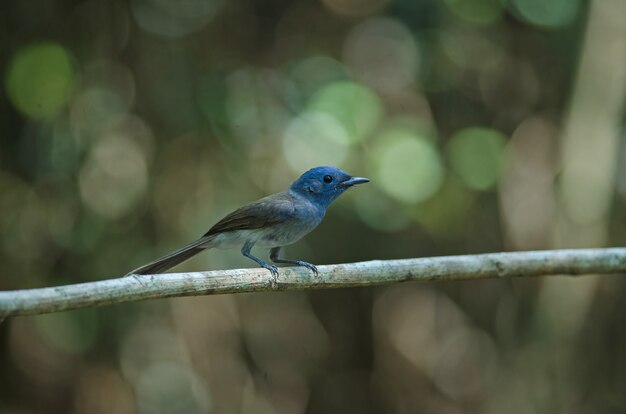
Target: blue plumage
272, 222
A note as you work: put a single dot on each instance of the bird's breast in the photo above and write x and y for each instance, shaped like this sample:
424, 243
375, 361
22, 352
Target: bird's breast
289, 232
304, 218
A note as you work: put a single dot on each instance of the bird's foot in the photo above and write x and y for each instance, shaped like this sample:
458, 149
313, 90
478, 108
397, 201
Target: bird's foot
309, 266
274, 271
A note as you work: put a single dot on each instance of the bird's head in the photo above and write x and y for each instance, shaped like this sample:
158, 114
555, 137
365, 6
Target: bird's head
323, 185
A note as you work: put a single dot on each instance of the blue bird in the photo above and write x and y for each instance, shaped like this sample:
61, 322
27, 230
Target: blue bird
271, 222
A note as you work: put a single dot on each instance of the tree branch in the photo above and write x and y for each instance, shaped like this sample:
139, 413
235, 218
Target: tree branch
377, 272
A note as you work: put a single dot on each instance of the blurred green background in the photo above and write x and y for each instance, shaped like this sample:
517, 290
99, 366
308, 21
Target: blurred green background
127, 128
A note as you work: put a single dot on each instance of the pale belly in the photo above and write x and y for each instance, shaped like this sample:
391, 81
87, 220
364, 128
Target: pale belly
276, 236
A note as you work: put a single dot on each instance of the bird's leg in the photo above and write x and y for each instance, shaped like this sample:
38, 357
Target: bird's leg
245, 250
274, 257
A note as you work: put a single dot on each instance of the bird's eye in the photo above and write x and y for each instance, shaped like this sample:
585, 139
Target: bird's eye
328, 179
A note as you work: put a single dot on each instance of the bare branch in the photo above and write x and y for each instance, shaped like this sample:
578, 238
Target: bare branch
377, 272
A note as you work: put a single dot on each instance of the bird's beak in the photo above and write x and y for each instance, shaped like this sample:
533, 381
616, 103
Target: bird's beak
354, 181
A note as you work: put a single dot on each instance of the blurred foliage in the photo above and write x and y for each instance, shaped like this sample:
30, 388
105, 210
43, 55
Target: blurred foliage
130, 127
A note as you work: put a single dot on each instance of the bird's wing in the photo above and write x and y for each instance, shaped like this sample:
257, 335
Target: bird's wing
267, 211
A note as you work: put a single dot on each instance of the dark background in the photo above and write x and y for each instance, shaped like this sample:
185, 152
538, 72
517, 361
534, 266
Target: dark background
128, 128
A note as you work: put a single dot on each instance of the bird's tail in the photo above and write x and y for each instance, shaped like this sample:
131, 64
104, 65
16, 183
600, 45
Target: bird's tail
170, 260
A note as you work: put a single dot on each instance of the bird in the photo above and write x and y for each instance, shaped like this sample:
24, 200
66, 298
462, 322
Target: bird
271, 222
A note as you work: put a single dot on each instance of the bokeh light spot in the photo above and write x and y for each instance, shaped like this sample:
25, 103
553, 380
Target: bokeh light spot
315, 138
173, 19
408, 166
480, 12
114, 177
553, 13
444, 215
470, 50
380, 212
256, 108
170, 387
313, 73
22, 222
355, 7
39, 79
475, 154
92, 108
355, 106
383, 54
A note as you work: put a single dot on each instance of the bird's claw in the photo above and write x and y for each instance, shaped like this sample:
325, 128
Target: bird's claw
273, 270
309, 266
